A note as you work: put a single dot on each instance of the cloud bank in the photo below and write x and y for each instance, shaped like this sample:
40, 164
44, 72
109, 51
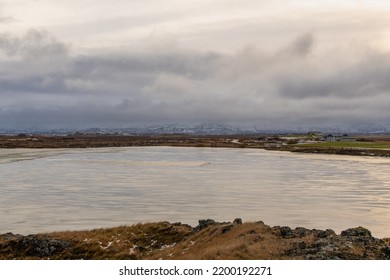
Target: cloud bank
302, 81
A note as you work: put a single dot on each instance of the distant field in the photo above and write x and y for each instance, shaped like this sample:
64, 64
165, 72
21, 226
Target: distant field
363, 145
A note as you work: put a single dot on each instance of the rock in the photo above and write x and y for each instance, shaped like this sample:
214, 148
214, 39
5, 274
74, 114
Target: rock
285, 232
9, 236
33, 245
204, 224
386, 252
45, 247
356, 232
227, 228
237, 221
324, 233
301, 232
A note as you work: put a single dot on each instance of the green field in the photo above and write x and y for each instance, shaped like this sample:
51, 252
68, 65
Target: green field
362, 145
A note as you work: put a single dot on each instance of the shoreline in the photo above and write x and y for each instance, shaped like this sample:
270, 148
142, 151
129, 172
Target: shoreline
209, 240
229, 141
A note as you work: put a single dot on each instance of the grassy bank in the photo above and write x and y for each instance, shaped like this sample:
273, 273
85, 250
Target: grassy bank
209, 240
346, 145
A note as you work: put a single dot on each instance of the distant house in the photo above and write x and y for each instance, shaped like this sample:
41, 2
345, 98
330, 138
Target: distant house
339, 138
328, 138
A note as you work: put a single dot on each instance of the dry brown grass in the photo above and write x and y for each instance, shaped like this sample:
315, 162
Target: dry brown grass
224, 241
240, 242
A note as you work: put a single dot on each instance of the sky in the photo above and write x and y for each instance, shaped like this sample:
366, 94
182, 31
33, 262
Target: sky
127, 63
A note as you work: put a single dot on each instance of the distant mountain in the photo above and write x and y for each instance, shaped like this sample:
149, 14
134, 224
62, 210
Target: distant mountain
201, 129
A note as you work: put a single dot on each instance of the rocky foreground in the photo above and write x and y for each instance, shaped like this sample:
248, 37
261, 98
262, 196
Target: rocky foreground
209, 240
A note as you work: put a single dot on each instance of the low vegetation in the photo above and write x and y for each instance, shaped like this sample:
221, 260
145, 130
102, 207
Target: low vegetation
100, 141
307, 143
359, 145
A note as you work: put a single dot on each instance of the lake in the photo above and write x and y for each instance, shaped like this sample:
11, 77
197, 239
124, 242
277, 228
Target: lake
67, 189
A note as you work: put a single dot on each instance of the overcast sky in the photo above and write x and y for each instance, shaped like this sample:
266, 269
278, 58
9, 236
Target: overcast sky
123, 63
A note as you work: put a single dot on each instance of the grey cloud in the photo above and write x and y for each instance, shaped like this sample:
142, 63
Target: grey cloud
33, 44
367, 78
303, 44
6, 19
249, 86
191, 64
28, 85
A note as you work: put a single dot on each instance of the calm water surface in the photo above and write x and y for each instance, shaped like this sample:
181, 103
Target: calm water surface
47, 190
